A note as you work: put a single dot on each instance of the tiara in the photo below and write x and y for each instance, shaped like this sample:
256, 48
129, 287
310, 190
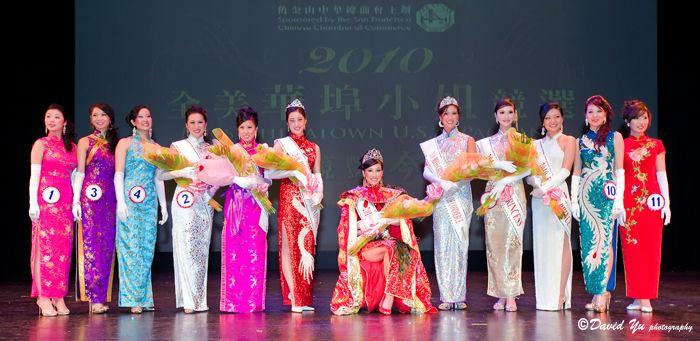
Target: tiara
296, 103
449, 100
373, 154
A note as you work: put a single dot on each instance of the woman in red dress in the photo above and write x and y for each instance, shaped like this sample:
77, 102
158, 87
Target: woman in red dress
647, 204
387, 271
299, 212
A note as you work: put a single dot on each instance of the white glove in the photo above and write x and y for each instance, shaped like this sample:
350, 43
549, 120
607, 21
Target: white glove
618, 209
663, 187
160, 191
35, 174
388, 221
498, 187
533, 181
77, 187
280, 174
575, 209
504, 165
187, 173
555, 180
119, 190
246, 182
501, 184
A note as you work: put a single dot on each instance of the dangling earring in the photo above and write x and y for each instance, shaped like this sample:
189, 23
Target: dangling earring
628, 125
440, 124
457, 125
64, 129
289, 130
47, 130
205, 133
604, 121
133, 131
586, 122
543, 131
150, 133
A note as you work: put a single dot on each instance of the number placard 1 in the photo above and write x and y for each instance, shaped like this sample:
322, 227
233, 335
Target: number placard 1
51, 195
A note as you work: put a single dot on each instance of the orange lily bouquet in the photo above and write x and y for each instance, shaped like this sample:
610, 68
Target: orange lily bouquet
167, 159
242, 165
269, 158
522, 152
468, 166
402, 207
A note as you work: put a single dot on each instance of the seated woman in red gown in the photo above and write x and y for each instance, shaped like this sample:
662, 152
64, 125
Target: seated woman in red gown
387, 272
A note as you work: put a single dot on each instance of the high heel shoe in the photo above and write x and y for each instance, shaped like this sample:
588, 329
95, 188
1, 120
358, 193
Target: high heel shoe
591, 306
445, 306
634, 305
646, 309
603, 308
500, 304
383, 310
136, 310
44, 311
301, 309
511, 307
62, 310
98, 308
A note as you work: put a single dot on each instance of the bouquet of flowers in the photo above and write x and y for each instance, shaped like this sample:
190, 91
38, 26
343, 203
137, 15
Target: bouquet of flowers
241, 162
402, 207
269, 158
552, 199
468, 166
167, 159
522, 152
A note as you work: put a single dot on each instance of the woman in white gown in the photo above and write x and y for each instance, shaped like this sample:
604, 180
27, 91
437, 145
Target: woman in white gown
551, 234
192, 218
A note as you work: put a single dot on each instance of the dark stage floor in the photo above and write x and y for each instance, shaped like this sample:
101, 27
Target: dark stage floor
678, 307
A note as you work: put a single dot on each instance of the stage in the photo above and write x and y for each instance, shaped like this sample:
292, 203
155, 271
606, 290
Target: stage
678, 307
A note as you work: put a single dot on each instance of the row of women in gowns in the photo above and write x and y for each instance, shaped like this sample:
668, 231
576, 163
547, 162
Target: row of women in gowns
598, 175
137, 187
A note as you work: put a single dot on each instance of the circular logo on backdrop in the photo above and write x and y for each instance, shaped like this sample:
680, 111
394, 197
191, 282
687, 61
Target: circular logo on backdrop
435, 17
609, 189
51, 195
137, 194
93, 192
655, 202
185, 199
485, 197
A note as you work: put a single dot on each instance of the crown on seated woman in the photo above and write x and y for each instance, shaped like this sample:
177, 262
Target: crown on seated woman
449, 100
296, 103
373, 154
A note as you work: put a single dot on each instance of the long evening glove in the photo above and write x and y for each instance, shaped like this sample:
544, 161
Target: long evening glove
34, 192
77, 187
663, 187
